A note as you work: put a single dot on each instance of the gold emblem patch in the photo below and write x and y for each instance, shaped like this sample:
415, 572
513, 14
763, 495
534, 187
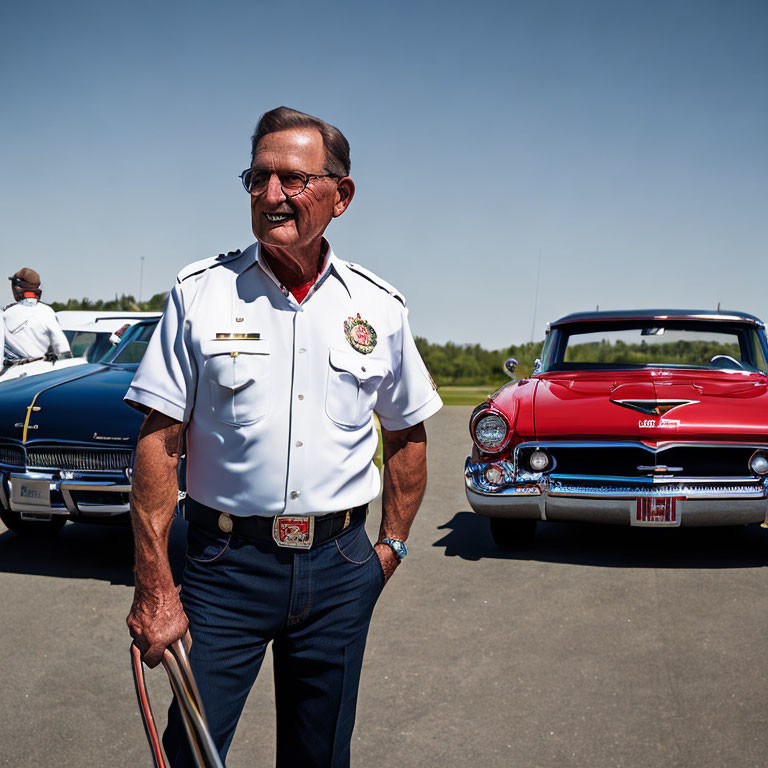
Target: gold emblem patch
360, 334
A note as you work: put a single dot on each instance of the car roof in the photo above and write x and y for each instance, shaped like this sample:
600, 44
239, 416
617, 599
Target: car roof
722, 316
105, 322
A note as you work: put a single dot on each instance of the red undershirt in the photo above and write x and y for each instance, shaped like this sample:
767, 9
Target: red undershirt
300, 291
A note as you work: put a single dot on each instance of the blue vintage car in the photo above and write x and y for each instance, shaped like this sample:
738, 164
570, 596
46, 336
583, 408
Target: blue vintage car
67, 441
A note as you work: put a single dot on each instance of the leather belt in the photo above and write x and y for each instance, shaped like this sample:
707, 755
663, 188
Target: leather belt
291, 531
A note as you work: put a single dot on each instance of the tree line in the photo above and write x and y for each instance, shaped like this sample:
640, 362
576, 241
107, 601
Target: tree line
123, 303
471, 365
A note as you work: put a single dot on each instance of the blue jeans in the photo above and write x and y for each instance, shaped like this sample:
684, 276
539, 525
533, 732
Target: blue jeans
314, 605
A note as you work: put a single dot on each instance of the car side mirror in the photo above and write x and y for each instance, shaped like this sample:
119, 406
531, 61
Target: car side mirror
509, 367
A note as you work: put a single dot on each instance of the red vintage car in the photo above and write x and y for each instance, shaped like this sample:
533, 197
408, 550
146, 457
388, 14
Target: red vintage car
646, 417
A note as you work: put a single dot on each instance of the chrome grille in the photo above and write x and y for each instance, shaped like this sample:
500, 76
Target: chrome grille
12, 455
619, 460
94, 459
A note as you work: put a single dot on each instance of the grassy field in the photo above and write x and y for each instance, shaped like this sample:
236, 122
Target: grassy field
465, 395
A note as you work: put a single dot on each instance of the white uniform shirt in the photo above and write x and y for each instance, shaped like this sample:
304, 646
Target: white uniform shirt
279, 403
31, 328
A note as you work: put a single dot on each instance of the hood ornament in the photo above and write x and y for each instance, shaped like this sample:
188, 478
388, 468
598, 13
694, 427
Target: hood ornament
656, 407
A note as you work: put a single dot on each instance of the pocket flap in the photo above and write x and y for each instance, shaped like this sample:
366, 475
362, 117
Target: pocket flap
362, 368
211, 346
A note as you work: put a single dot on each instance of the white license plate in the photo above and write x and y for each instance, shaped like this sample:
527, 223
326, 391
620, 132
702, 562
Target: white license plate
32, 493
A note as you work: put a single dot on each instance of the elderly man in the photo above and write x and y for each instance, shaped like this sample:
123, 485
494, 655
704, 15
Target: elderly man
31, 328
269, 366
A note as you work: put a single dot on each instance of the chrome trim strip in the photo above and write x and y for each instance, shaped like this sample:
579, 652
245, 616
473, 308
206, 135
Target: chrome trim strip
670, 490
106, 509
663, 445
659, 479
81, 471
76, 485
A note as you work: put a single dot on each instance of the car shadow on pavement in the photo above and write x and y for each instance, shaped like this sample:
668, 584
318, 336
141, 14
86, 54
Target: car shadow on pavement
468, 536
83, 551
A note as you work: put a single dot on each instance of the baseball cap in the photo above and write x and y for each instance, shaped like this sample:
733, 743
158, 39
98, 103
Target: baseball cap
27, 279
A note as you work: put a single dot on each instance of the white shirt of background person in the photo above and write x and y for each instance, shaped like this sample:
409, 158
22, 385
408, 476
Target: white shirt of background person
31, 328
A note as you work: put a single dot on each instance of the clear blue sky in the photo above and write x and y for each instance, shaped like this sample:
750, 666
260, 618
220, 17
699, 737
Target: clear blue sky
625, 141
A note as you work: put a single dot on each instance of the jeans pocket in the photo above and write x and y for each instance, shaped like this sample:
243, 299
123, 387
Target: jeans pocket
205, 546
355, 546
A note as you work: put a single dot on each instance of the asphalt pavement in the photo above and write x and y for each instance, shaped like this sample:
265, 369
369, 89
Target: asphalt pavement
598, 647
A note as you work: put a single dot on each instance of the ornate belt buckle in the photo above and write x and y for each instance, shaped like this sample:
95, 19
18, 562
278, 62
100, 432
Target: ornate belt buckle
293, 532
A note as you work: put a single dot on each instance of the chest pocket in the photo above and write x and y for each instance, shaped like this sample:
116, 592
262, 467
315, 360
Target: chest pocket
238, 376
352, 384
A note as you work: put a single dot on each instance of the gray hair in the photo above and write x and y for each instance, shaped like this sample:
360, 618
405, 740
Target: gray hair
284, 118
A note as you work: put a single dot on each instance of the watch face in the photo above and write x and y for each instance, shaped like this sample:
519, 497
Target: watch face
397, 546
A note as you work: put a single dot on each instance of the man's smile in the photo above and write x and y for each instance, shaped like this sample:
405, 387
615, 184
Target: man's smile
277, 218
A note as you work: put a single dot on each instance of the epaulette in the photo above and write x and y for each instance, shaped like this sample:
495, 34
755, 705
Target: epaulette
376, 280
201, 266
8, 306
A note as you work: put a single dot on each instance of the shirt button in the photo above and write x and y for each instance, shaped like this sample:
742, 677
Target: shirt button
299, 443
302, 351
301, 397
294, 494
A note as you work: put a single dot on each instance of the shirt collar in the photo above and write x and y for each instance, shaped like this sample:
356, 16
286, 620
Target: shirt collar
332, 265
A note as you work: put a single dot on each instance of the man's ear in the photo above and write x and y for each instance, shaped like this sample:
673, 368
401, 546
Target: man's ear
345, 191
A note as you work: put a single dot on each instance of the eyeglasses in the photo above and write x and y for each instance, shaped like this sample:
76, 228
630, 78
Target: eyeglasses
293, 183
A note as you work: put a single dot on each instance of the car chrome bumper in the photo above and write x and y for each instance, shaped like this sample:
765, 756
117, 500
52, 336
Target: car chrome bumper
699, 501
80, 497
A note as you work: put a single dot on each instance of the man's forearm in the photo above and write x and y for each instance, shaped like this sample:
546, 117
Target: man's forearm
405, 479
154, 494
157, 617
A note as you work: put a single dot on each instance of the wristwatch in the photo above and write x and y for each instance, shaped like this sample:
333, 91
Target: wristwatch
398, 547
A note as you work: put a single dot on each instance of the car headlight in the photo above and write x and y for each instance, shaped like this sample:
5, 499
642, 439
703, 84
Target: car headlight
491, 432
759, 463
539, 461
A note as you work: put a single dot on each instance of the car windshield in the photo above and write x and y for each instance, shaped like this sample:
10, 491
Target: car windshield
638, 344
91, 345
132, 346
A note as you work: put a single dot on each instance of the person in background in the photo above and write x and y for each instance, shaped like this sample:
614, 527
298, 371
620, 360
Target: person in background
31, 329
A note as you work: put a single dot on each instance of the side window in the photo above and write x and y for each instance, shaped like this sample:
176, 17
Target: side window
81, 342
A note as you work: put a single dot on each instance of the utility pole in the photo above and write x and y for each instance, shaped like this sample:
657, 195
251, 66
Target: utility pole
536, 298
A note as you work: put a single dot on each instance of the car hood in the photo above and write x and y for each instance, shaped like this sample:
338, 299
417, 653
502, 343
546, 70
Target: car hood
652, 405
40, 366
81, 404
